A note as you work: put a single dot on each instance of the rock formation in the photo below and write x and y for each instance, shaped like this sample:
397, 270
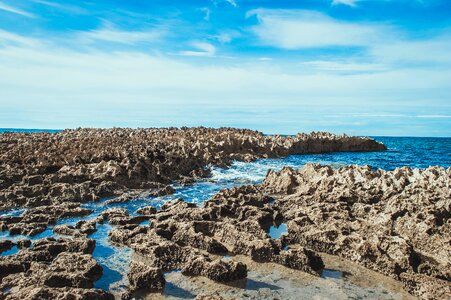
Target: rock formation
87, 164
396, 222
182, 236
52, 269
35, 220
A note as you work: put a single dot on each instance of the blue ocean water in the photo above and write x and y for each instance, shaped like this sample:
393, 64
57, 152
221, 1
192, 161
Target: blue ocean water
28, 130
402, 151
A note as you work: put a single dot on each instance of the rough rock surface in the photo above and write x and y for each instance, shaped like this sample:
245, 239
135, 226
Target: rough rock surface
395, 222
182, 236
52, 269
35, 220
86, 164
50, 174
141, 276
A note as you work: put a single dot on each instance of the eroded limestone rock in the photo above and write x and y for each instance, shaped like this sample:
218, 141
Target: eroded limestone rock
395, 222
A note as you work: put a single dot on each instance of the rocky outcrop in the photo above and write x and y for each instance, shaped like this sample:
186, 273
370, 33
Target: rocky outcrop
86, 164
395, 222
52, 269
6, 245
51, 174
141, 276
182, 236
41, 292
35, 220
83, 228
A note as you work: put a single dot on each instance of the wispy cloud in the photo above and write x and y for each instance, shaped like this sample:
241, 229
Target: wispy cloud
345, 2
68, 8
434, 116
353, 3
343, 66
207, 12
202, 49
15, 10
11, 39
163, 57
297, 29
231, 2
227, 36
435, 49
76, 87
109, 33
379, 44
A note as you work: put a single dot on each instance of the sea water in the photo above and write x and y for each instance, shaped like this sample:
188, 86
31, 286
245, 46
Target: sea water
402, 151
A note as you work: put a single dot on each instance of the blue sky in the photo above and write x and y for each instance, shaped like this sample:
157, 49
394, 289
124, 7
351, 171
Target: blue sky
367, 67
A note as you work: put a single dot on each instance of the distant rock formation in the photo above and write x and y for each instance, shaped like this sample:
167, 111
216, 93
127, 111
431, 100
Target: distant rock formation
82, 165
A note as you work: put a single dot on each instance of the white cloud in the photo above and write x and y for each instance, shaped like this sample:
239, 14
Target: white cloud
345, 2
43, 68
68, 8
353, 3
381, 45
15, 10
343, 66
433, 50
224, 37
232, 2
207, 12
434, 116
227, 36
9, 38
52, 86
300, 29
203, 49
109, 33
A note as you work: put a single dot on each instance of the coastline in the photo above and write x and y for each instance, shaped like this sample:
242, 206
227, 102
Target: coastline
171, 228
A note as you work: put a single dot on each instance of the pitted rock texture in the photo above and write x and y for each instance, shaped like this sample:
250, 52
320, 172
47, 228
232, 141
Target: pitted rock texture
141, 276
35, 220
38, 169
52, 269
182, 236
395, 222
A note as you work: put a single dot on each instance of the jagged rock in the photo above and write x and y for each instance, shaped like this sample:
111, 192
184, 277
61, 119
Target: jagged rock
141, 276
395, 222
73, 270
147, 210
82, 228
215, 296
52, 173
35, 220
5, 245
52, 267
236, 221
23, 244
41, 292
87, 164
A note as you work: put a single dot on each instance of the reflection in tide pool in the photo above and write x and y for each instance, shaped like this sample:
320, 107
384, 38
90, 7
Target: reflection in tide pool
334, 274
114, 260
11, 251
277, 231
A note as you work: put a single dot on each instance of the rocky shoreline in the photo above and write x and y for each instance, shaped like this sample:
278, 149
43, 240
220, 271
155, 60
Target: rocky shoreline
82, 165
396, 223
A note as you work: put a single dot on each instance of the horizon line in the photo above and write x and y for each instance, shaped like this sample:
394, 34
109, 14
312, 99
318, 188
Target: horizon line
54, 129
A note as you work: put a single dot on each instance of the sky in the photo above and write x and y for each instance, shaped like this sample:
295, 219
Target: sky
363, 67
